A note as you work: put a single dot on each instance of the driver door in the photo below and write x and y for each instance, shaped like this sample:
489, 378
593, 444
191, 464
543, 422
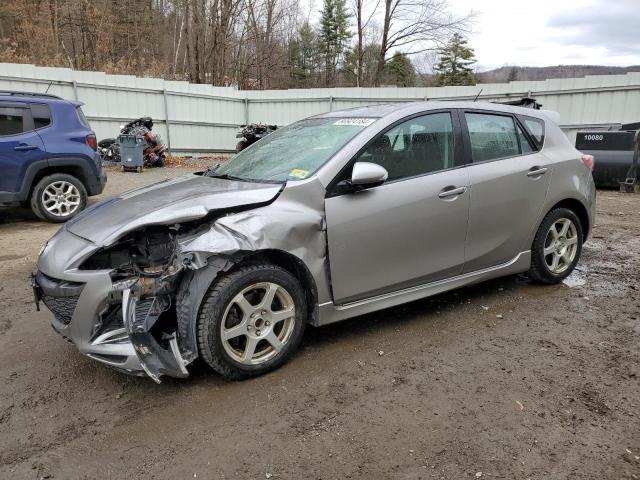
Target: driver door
410, 230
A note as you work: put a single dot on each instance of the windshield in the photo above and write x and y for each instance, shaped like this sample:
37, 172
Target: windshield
293, 152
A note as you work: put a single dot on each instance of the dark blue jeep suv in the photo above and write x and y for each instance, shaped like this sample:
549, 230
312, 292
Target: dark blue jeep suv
48, 156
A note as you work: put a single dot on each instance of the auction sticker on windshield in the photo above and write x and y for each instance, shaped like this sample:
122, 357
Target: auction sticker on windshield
356, 122
299, 173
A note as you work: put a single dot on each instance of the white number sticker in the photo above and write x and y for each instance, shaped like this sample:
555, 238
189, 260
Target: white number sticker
595, 138
355, 122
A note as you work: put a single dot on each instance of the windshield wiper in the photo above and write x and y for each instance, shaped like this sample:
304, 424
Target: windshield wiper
225, 176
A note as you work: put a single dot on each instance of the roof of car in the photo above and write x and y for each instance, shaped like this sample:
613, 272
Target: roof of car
33, 97
385, 109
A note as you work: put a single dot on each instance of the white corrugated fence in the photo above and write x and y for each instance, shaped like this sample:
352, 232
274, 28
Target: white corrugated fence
201, 119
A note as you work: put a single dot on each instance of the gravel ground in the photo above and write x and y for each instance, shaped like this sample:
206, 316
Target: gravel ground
501, 380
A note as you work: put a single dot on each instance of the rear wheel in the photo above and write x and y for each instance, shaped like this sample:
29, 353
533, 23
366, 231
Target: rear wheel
59, 197
557, 246
251, 321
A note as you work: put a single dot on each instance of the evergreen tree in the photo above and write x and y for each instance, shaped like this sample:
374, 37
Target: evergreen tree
455, 61
400, 71
304, 57
334, 34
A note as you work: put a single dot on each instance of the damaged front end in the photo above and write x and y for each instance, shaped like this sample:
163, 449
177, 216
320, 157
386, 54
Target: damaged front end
131, 299
145, 269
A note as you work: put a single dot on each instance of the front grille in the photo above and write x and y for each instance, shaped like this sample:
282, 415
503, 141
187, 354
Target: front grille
61, 307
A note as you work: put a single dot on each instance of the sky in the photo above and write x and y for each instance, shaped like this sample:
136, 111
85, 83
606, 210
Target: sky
553, 32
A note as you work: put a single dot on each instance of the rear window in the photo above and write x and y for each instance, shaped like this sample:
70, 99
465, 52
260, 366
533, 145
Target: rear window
41, 115
82, 118
11, 121
620, 141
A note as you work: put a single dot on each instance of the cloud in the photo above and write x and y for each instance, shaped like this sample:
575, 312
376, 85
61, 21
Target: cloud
612, 27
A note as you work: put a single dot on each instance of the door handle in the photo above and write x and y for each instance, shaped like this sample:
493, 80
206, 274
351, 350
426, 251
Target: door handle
24, 148
448, 192
537, 171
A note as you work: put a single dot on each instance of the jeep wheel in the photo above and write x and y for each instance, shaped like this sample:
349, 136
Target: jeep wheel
59, 197
251, 321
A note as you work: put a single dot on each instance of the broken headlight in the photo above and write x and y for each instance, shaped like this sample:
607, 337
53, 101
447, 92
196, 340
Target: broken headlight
145, 252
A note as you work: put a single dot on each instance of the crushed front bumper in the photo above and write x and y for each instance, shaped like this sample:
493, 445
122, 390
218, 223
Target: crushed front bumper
107, 322
79, 314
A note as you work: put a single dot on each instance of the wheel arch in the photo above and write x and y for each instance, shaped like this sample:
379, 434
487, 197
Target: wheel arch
577, 207
294, 266
195, 283
32, 178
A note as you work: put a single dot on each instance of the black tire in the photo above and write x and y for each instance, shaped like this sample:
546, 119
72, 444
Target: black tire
159, 163
241, 145
220, 296
106, 142
540, 271
37, 202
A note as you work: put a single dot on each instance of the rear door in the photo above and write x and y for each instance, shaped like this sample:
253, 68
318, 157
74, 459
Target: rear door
20, 145
411, 229
509, 178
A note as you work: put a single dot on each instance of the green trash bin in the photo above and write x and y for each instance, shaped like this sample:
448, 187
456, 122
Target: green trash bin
132, 152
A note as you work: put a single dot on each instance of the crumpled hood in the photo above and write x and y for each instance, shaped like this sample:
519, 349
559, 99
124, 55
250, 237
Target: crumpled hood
181, 199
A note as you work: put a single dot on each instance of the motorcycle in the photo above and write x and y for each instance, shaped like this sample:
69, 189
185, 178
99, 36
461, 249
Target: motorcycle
154, 153
252, 133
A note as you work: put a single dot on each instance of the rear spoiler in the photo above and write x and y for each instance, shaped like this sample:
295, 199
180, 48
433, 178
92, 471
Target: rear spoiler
529, 102
526, 102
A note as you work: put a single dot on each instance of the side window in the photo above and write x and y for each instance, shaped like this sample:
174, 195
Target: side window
415, 147
11, 121
41, 115
492, 136
525, 145
535, 127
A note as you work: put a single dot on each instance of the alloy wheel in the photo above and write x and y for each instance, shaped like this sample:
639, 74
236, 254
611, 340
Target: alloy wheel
561, 245
258, 323
61, 198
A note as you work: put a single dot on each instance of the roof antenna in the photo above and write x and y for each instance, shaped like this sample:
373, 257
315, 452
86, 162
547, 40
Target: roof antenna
478, 95
51, 83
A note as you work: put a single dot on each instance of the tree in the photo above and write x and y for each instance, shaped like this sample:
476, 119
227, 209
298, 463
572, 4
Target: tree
454, 65
304, 57
361, 29
400, 71
334, 33
416, 26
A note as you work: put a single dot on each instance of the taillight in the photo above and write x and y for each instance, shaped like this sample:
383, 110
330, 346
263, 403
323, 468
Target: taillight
588, 161
92, 141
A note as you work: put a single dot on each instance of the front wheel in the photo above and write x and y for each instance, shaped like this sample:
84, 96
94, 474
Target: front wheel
557, 246
251, 321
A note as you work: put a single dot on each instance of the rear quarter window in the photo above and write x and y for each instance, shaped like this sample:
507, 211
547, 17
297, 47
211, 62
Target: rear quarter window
41, 115
535, 127
82, 118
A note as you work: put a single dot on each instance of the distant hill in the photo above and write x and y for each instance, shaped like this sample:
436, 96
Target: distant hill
512, 73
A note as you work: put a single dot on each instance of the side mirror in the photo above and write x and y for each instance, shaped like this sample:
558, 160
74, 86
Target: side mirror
367, 175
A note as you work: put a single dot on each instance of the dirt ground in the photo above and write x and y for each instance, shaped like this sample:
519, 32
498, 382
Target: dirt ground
501, 380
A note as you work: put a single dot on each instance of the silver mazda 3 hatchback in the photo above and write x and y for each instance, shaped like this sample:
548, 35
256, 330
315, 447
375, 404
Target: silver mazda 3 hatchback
332, 217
